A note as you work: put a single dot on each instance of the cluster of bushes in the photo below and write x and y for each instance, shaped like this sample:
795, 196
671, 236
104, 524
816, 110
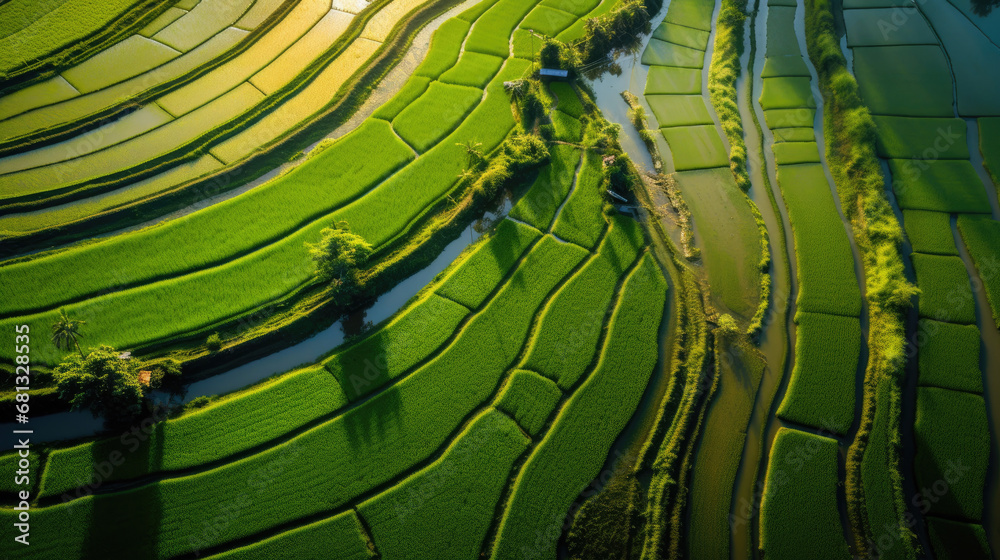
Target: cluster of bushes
851, 152
111, 384
722, 76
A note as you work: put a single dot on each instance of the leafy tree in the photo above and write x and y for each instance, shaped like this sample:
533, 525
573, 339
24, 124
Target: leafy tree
103, 382
165, 374
339, 255
984, 7
66, 332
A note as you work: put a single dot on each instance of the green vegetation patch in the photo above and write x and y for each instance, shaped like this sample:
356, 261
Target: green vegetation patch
529, 399
578, 7
982, 237
821, 390
953, 446
789, 153
564, 346
397, 347
827, 280
788, 65
798, 134
446, 45
741, 368
670, 80
16, 15
948, 356
955, 540
548, 21
127, 58
925, 138
574, 449
881, 26
436, 113
681, 35
798, 512
569, 101
731, 246
474, 69
11, 462
59, 28
491, 32
929, 232
691, 13
229, 425
481, 271
538, 206
905, 80
662, 53
341, 536
789, 118
940, 185
945, 289
368, 446
206, 236
566, 127
989, 146
781, 40
679, 110
786, 93
580, 221
696, 147
578, 30
444, 510
410, 92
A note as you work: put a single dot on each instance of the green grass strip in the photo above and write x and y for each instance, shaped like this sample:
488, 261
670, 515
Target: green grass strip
474, 69
827, 281
945, 185
982, 237
539, 204
395, 348
949, 356
953, 445
366, 447
410, 92
945, 289
580, 219
446, 45
481, 271
929, 232
491, 32
821, 390
571, 324
445, 509
341, 537
529, 399
235, 423
436, 113
798, 510
574, 449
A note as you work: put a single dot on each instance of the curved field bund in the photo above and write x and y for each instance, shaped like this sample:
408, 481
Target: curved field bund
819, 401
374, 463
432, 472
677, 100
906, 73
268, 259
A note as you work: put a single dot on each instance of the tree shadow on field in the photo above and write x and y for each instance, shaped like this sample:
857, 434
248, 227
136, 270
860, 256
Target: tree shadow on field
362, 368
126, 524
372, 419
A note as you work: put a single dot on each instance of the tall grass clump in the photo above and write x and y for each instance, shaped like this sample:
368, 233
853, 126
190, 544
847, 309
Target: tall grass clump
722, 76
851, 154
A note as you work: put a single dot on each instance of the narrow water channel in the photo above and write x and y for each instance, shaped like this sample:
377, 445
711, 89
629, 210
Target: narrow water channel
74, 425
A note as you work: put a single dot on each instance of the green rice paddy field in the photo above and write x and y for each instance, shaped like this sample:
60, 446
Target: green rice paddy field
549, 351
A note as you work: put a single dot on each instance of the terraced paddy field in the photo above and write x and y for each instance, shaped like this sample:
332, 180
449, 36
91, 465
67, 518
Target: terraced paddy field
312, 279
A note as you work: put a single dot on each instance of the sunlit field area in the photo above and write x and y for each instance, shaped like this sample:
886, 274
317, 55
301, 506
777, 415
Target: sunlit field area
500, 279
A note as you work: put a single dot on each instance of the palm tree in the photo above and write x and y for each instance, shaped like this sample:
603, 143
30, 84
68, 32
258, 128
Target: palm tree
66, 331
473, 153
